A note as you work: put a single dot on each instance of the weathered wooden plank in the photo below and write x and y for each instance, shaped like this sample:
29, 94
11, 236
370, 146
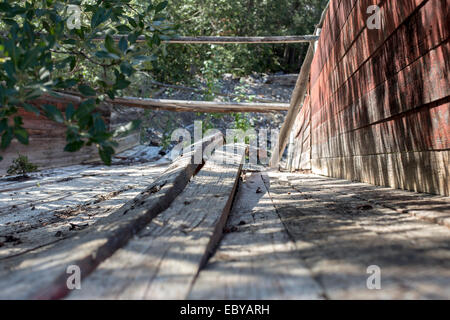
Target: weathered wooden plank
200, 106
432, 208
235, 40
256, 258
41, 274
162, 261
340, 235
44, 212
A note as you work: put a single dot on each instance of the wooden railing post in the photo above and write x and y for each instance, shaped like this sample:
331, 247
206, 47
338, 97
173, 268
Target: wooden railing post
297, 99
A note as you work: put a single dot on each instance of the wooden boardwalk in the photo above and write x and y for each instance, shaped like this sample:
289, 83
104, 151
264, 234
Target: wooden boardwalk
223, 234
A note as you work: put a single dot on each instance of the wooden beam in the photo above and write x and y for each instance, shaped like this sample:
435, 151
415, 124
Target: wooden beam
297, 99
42, 273
338, 232
244, 40
298, 96
200, 106
252, 263
221, 40
181, 105
163, 260
232, 40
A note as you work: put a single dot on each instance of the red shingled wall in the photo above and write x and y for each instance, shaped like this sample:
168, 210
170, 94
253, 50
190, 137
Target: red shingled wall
380, 99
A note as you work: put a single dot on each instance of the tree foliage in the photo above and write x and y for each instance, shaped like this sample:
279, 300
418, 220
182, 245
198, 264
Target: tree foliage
238, 18
41, 53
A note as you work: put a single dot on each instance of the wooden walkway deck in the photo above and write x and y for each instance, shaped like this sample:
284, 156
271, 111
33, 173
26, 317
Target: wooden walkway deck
224, 234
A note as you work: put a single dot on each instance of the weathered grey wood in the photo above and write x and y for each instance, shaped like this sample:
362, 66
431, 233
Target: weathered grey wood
38, 215
186, 105
200, 106
234, 40
340, 235
189, 106
162, 261
41, 274
432, 208
243, 40
297, 99
256, 258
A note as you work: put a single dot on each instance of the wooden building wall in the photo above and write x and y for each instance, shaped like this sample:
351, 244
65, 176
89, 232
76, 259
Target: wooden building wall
48, 139
380, 99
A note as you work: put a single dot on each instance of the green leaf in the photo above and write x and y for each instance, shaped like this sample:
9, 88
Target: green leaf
74, 146
105, 154
53, 113
111, 94
132, 22
30, 108
85, 108
106, 55
161, 6
99, 124
123, 28
121, 83
5, 7
69, 83
70, 111
123, 44
126, 68
73, 62
100, 16
156, 39
3, 125
18, 121
132, 37
109, 44
10, 70
22, 135
86, 90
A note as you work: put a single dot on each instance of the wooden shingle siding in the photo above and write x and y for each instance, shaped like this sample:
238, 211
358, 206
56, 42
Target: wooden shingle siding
380, 99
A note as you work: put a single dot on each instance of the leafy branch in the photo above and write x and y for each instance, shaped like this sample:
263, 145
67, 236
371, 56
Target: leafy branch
40, 55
